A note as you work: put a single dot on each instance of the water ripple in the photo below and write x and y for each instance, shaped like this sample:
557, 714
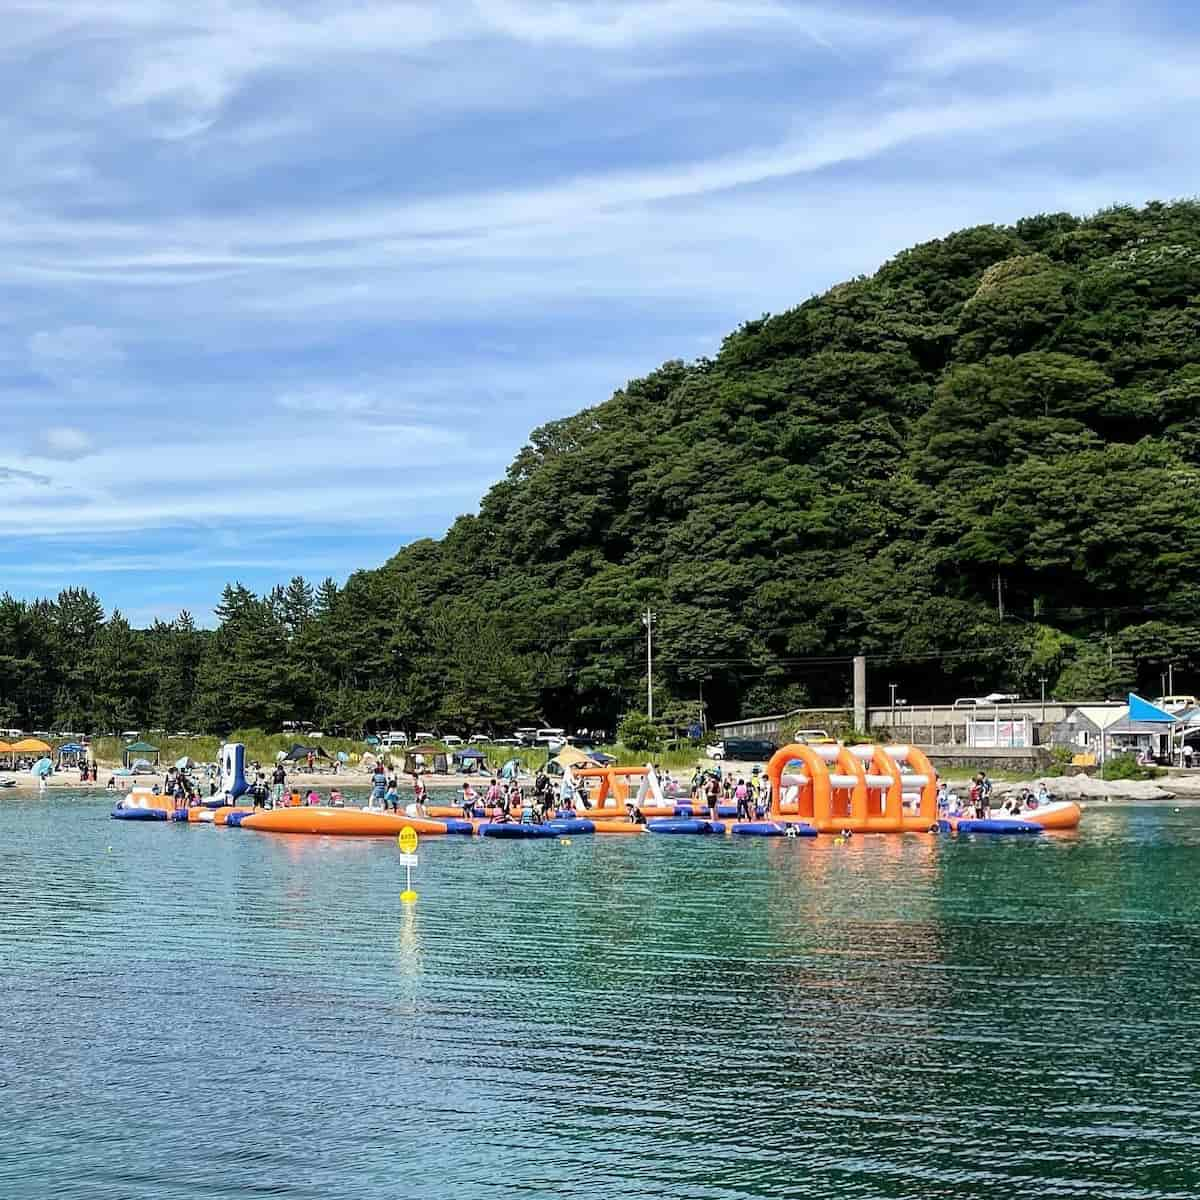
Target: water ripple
196, 1012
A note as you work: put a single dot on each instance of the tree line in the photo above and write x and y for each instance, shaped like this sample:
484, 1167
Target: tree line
980, 466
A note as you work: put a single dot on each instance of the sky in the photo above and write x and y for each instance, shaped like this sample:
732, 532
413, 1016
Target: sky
285, 286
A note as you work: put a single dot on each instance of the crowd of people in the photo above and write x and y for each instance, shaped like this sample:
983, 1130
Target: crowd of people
752, 795
979, 799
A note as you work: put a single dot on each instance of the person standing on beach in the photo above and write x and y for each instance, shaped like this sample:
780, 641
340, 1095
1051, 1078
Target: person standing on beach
278, 780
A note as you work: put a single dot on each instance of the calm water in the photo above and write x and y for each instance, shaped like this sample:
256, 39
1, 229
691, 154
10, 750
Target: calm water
189, 1011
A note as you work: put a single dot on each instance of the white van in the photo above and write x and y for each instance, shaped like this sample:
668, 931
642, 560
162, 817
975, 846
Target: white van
547, 737
394, 737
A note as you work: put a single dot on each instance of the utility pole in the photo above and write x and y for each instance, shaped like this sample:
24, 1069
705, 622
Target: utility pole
892, 706
1042, 678
1000, 595
860, 692
648, 620
703, 718
1170, 679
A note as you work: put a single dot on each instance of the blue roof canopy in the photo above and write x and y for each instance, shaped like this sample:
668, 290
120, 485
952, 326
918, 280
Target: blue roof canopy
1143, 710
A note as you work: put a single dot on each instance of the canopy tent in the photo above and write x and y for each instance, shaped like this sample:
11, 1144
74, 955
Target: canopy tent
71, 748
30, 746
298, 753
5, 748
470, 761
570, 757
140, 749
432, 758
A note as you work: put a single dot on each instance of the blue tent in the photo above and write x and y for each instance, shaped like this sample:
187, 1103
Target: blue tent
70, 748
1143, 710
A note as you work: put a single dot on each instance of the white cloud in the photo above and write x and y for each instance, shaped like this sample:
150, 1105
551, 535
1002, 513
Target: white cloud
73, 347
329, 403
284, 238
67, 442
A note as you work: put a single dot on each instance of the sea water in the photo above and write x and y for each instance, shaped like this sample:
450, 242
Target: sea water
187, 1011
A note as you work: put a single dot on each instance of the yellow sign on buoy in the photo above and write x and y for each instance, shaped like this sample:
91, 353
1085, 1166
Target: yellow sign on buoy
407, 842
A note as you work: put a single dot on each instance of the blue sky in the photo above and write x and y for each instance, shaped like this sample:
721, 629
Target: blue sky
285, 286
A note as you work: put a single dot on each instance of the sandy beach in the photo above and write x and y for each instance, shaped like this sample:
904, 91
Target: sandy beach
1172, 789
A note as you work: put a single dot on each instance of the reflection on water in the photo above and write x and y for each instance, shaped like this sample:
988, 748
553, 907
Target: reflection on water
208, 1012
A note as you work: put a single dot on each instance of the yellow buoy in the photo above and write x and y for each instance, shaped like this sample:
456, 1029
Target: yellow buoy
565, 841
408, 897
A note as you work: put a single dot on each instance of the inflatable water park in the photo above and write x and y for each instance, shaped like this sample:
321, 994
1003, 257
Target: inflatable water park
814, 790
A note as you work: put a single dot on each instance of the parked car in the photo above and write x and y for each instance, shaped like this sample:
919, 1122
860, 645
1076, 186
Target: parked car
424, 737
476, 738
512, 741
451, 740
742, 749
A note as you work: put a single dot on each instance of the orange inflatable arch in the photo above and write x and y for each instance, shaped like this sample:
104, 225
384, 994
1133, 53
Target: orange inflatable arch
860, 788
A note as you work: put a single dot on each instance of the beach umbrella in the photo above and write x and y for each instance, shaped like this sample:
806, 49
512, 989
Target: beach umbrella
43, 766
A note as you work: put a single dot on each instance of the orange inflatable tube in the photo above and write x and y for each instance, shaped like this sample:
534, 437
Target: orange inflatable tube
337, 822
1058, 814
614, 826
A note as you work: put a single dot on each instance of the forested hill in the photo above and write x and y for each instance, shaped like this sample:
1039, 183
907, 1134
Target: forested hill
980, 466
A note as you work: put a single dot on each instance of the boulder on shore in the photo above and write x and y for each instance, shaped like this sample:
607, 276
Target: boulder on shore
1084, 787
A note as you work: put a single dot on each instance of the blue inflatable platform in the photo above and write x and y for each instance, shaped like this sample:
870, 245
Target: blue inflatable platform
998, 825
684, 825
515, 831
137, 814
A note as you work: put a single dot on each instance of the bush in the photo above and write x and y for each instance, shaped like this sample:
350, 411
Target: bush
637, 732
1126, 766
1060, 760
